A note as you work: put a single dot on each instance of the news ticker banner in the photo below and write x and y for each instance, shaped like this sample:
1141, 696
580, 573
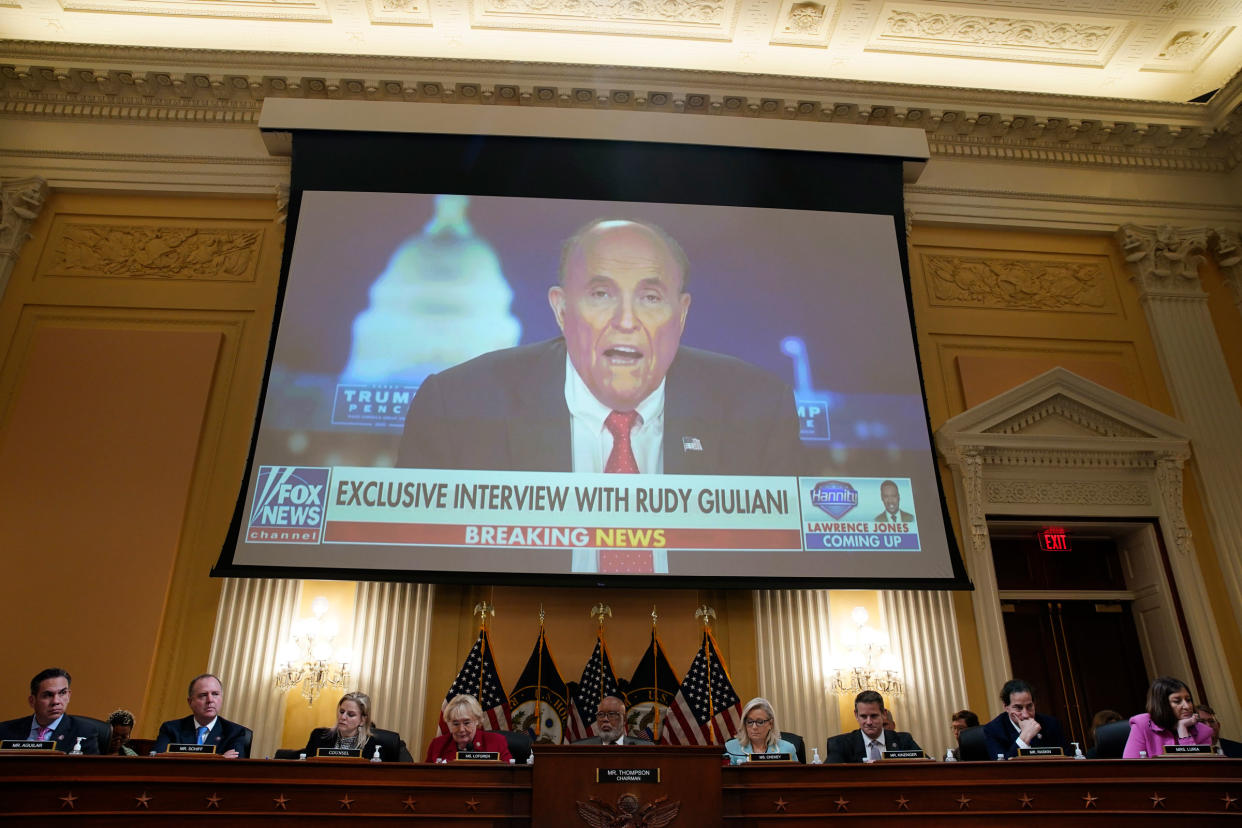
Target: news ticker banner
549, 510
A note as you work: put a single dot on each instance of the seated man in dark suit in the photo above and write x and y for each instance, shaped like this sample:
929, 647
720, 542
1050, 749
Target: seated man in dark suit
204, 726
1020, 726
49, 698
870, 741
610, 721
1230, 748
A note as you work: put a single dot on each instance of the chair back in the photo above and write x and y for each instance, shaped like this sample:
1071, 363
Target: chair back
287, 753
247, 738
103, 733
795, 740
1110, 739
973, 745
519, 745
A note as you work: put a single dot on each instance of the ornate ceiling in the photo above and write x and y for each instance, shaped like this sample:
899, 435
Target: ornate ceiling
1141, 50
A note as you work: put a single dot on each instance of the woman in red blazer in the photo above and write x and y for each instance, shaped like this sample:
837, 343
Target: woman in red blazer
464, 717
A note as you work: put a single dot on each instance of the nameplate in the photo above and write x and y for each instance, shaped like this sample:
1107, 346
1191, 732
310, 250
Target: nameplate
770, 757
629, 776
478, 756
904, 754
1040, 752
339, 753
27, 744
178, 747
1188, 750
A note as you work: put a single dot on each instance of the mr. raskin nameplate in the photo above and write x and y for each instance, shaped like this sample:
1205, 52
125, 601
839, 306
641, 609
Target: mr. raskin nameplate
27, 744
338, 753
1188, 750
630, 776
478, 756
770, 757
906, 754
1041, 751
178, 747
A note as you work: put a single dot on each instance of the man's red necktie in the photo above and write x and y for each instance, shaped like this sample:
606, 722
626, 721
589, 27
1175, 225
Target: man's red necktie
621, 460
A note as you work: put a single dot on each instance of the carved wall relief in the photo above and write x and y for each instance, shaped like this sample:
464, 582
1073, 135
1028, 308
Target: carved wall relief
1014, 283
154, 252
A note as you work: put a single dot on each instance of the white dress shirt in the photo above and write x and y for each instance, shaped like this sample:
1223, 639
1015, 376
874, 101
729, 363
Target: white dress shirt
592, 442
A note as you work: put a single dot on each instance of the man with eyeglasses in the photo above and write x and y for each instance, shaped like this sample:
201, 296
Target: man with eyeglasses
610, 722
1230, 748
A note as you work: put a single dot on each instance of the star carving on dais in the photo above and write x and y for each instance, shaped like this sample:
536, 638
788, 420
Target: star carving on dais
781, 804
841, 803
1157, 801
409, 802
1026, 800
1228, 800
963, 801
1089, 800
282, 802
214, 800
143, 801
67, 800
346, 803
903, 804
472, 804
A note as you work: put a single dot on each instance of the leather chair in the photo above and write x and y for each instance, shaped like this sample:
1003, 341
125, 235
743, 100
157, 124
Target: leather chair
795, 740
1110, 740
287, 753
244, 753
103, 732
519, 745
973, 745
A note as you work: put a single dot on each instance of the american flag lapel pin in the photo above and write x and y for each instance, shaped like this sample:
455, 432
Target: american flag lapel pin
691, 444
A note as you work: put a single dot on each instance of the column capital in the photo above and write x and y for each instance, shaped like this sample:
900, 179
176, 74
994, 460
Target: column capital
1227, 250
1164, 260
20, 202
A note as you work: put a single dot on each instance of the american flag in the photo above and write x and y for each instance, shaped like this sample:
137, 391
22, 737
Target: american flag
706, 710
598, 680
477, 677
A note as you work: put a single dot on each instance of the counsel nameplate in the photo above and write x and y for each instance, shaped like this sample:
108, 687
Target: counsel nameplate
339, 753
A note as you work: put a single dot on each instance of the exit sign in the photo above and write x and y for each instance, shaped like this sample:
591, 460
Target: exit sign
1053, 539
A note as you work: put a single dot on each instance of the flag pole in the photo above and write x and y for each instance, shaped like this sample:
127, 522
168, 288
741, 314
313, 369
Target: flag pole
483, 609
539, 678
599, 611
655, 675
707, 614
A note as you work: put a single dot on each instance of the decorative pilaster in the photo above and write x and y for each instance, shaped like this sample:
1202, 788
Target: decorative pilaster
254, 616
1227, 250
20, 203
392, 630
792, 650
1164, 264
923, 627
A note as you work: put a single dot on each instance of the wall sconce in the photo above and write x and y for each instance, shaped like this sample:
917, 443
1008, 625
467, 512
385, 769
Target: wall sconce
307, 658
867, 663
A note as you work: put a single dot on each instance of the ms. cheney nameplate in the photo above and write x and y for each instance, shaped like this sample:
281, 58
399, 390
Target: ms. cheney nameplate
628, 775
769, 757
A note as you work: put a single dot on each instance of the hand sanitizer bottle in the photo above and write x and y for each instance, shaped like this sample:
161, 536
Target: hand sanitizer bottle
530, 759
1142, 754
375, 757
77, 747
1000, 757
301, 757
815, 759
1078, 754
948, 756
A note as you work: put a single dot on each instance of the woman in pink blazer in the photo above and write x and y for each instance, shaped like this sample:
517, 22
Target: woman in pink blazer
1170, 720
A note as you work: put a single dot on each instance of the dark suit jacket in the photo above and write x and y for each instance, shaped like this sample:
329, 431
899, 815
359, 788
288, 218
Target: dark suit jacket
506, 411
389, 743
65, 735
225, 736
848, 747
902, 517
1232, 749
599, 740
1002, 737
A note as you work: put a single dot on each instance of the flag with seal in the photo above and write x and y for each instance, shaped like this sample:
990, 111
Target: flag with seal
539, 701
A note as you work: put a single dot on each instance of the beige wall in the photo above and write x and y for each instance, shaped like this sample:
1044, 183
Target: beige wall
132, 339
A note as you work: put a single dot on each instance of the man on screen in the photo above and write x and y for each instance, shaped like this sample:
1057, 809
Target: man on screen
892, 505
617, 392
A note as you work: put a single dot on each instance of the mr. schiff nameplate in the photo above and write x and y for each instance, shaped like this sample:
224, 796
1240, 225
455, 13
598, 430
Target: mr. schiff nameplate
190, 749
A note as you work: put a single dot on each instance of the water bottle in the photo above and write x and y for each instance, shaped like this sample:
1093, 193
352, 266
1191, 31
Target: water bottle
301, 757
815, 760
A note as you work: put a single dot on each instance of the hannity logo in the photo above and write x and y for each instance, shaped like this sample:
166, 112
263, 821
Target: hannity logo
835, 497
289, 505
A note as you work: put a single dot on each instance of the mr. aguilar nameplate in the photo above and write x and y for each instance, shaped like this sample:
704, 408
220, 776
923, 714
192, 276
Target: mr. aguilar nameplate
904, 754
770, 757
632, 776
179, 747
1040, 752
1188, 750
478, 756
338, 753
27, 744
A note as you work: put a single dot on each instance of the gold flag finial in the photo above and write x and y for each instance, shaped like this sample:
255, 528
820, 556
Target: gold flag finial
541, 615
600, 611
483, 610
655, 616
707, 614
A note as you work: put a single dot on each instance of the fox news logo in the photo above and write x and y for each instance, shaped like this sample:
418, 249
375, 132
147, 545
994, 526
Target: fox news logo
289, 504
835, 497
